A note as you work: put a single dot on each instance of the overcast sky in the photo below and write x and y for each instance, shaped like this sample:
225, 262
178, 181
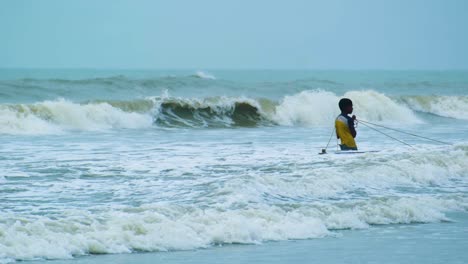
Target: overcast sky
246, 34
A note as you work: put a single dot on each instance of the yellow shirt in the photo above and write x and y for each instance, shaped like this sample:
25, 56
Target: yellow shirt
343, 132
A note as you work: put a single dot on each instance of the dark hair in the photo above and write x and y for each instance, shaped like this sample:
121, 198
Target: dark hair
344, 103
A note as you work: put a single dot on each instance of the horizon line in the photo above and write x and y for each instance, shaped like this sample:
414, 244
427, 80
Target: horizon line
229, 69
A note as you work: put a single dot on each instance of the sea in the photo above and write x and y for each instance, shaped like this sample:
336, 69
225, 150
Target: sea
222, 166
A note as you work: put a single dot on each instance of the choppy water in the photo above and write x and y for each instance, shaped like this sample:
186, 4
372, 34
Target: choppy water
119, 162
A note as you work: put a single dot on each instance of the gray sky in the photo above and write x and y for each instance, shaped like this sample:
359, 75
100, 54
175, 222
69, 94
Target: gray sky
246, 34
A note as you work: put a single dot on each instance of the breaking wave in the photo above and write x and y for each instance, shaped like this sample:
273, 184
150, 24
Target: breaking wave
445, 106
238, 214
319, 107
61, 115
166, 228
306, 108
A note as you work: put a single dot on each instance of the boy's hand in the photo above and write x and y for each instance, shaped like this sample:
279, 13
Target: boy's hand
353, 117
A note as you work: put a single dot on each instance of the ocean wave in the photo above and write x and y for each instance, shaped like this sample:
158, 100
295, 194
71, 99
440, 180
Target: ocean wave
52, 117
117, 87
214, 112
318, 107
445, 106
307, 108
204, 75
156, 227
380, 174
238, 212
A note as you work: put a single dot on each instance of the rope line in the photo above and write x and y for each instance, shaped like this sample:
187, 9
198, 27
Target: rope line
324, 150
411, 134
387, 135
329, 140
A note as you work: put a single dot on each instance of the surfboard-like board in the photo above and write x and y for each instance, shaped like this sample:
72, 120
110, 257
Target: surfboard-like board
348, 152
354, 151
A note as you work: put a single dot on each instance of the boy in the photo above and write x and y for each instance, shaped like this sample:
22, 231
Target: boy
344, 125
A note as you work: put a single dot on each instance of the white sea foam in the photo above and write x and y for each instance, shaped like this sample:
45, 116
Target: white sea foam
238, 213
61, 115
368, 174
319, 107
307, 108
325, 194
162, 227
13, 122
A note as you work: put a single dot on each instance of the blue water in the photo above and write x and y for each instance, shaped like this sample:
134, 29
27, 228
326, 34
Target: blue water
103, 162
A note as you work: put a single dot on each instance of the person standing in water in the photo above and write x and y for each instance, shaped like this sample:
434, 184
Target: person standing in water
344, 125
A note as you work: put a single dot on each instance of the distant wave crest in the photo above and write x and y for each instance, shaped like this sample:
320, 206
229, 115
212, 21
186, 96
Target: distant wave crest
204, 75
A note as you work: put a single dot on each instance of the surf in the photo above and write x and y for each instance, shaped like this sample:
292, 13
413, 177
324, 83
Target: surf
453, 106
309, 108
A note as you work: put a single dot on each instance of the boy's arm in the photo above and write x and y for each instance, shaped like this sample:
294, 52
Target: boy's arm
351, 126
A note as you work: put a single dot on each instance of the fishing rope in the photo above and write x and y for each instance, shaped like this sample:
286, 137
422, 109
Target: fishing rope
387, 135
328, 143
411, 134
329, 140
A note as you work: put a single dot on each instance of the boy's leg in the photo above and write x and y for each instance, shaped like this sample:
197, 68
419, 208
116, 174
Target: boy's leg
344, 147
